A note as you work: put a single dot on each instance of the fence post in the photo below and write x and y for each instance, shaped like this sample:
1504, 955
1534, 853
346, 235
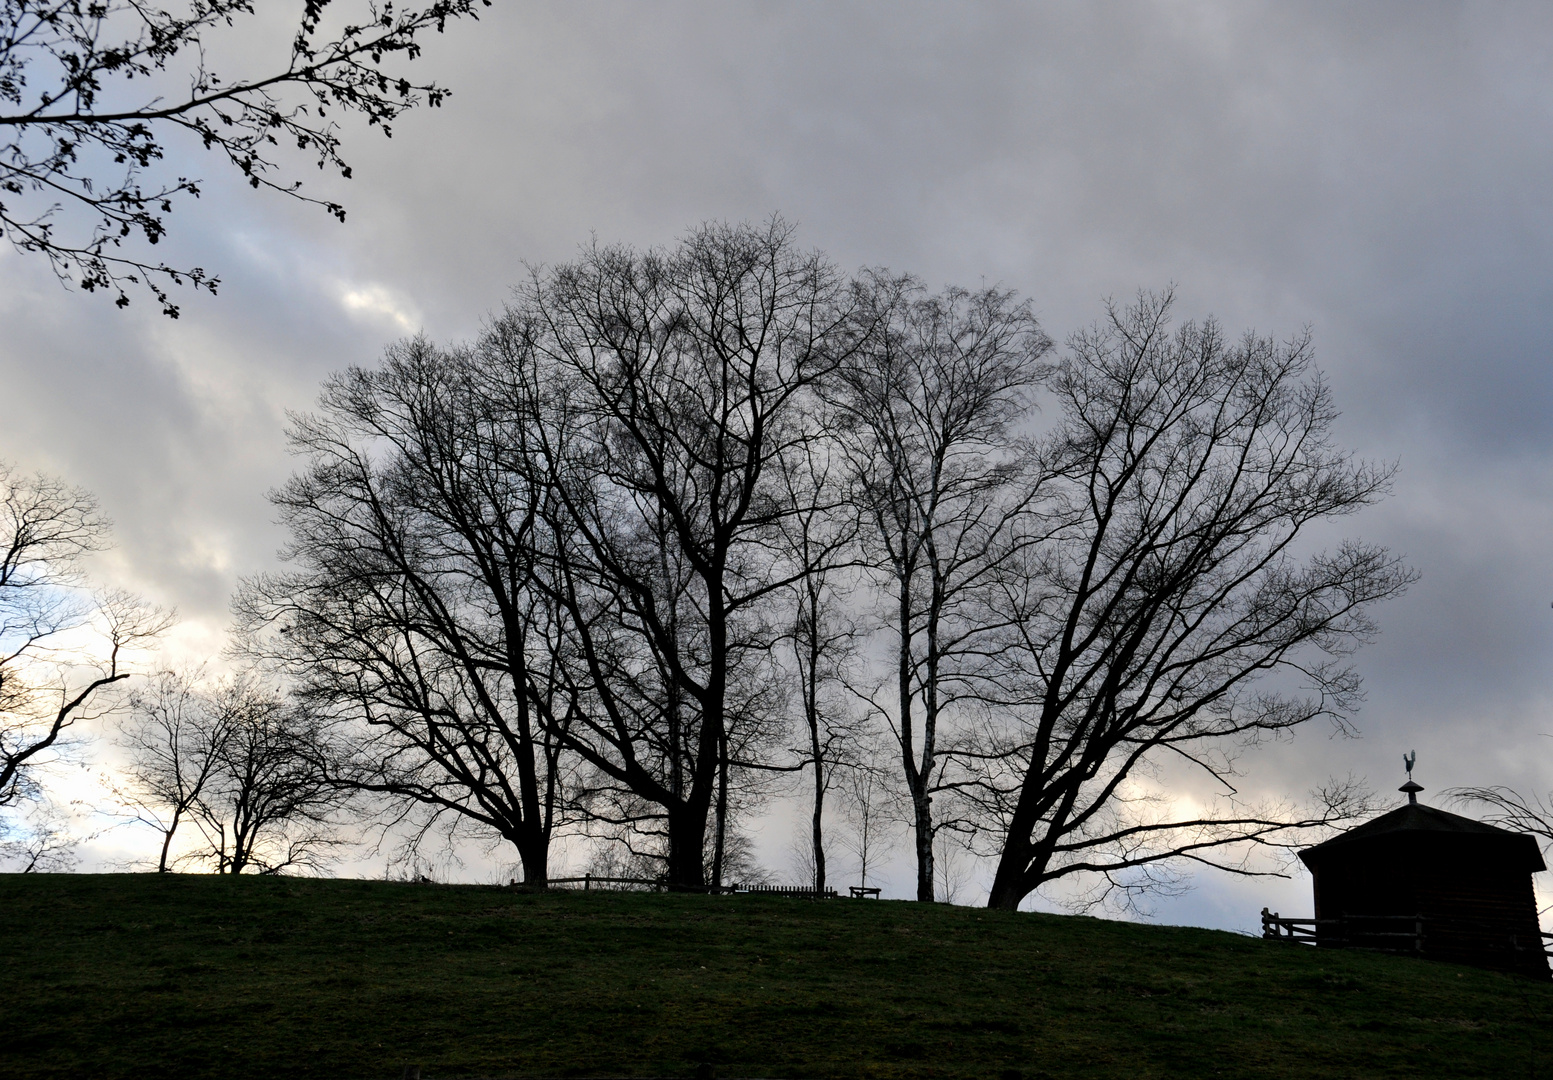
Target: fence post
587, 882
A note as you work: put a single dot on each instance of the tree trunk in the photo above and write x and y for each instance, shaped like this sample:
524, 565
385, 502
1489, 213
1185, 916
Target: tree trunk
714, 723
718, 844
916, 780
1007, 891
687, 852
534, 851
811, 692
534, 854
1023, 858
818, 822
167, 842
922, 814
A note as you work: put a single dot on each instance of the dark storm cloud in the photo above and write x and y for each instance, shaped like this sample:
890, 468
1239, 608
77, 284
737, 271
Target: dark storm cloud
1380, 173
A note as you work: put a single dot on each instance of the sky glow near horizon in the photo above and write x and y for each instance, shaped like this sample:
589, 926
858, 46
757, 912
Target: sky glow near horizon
1380, 174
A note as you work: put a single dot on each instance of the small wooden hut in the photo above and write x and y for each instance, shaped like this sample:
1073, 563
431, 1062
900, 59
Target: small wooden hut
1422, 881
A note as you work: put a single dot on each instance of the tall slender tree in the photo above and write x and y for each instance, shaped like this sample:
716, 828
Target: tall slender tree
934, 400
819, 540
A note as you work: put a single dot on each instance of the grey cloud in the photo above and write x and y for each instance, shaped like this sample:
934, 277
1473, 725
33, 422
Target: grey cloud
1378, 172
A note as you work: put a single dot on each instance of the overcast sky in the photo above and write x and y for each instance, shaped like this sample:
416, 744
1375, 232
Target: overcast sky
1379, 173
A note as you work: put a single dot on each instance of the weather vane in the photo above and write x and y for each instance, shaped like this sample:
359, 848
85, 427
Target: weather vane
1411, 788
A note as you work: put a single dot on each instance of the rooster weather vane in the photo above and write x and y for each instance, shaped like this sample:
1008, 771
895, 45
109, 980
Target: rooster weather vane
1410, 787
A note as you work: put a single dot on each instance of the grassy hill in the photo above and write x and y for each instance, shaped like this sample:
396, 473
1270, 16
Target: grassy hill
144, 976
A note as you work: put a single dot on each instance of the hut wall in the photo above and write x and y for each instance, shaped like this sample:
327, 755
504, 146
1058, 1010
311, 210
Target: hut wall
1483, 917
1474, 910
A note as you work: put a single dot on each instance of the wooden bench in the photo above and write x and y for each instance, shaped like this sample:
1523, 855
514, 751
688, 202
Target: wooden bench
860, 892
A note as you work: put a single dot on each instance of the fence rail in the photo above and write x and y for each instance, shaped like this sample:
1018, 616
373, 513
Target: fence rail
789, 890
590, 882
1385, 932
599, 881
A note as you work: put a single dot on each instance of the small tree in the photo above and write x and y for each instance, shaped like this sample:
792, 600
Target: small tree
867, 808
269, 804
819, 539
43, 841
176, 738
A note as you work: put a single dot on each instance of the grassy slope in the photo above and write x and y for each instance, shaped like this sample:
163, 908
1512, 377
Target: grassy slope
127, 975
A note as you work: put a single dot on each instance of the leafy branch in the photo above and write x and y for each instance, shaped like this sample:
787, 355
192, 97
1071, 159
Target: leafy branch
79, 148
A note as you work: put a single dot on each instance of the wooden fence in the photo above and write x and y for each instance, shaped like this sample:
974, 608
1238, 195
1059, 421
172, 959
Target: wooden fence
789, 890
597, 881
1394, 933
1388, 933
590, 882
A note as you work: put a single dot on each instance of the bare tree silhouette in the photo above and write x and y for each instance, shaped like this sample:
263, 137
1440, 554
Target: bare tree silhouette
933, 398
689, 375
414, 615
176, 738
268, 805
62, 646
1160, 583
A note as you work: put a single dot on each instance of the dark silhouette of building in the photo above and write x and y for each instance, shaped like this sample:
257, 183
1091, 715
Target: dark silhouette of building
1422, 881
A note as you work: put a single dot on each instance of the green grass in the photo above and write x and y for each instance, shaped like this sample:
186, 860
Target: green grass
171, 977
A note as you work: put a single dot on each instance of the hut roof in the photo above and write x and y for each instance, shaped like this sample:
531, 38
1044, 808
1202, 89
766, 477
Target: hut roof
1421, 821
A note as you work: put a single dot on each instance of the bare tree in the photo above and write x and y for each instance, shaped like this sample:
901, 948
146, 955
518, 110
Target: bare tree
951, 871
1161, 590
61, 646
819, 540
933, 399
269, 804
82, 139
176, 737
867, 805
414, 616
690, 374
43, 842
